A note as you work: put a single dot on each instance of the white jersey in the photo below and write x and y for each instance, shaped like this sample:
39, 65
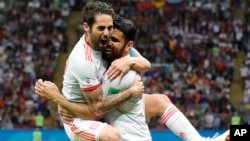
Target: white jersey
84, 71
129, 118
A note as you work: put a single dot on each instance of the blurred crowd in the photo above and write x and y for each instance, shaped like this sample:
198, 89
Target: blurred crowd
198, 45
192, 46
245, 74
32, 34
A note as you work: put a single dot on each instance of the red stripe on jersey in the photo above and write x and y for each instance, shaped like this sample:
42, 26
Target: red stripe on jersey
88, 53
82, 134
92, 87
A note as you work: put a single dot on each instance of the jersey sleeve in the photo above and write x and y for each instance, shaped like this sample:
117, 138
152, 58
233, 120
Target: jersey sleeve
132, 52
86, 74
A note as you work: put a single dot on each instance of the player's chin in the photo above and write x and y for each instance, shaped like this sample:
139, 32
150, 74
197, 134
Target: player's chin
107, 55
108, 51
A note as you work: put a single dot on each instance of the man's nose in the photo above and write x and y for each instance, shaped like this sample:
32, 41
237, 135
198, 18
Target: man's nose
109, 43
106, 33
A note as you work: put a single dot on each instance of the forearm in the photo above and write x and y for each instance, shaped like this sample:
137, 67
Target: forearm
77, 109
104, 101
115, 100
139, 64
102, 105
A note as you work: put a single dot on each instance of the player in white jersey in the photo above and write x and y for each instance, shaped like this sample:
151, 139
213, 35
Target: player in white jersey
161, 104
82, 78
75, 82
156, 104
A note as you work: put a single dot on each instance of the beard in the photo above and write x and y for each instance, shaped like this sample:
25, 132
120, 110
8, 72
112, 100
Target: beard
99, 42
110, 54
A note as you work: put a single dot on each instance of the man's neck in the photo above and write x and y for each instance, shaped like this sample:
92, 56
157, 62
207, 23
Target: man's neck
88, 41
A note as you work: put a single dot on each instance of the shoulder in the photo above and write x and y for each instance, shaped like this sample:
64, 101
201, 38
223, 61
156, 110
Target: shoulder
132, 52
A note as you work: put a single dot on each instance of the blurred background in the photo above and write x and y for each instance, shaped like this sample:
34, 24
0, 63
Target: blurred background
199, 50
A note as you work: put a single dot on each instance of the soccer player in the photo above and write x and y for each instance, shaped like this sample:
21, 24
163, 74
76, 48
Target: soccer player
156, 104
83, 72
121, 44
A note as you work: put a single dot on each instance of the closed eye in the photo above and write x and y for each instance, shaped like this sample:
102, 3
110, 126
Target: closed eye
113, 39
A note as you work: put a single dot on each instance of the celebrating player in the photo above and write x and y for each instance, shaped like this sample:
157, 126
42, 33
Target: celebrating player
83, 72
120, 44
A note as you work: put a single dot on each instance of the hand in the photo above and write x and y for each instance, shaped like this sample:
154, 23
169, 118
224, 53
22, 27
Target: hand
46, 89
65, 116
119, 67
137, 88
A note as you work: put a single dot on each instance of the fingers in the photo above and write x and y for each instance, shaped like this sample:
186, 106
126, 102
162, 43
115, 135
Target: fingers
66, 120
66, 117
64, 112
113, 73
38, 86
121, 76
137, 87
138, 77
41, 87
118, 68
138, 82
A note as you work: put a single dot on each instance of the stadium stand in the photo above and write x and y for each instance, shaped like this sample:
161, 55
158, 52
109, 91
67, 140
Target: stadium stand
193, 50
32, 36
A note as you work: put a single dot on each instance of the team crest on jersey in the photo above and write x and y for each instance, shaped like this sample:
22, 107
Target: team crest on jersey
88, 81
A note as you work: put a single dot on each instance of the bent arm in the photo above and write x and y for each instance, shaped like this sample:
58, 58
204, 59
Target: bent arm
81, 110
134, 61
50, 91
139, 63
95, 110
100, 105
91, 89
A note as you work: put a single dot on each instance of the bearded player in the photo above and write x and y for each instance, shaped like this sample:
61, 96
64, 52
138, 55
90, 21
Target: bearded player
121, 44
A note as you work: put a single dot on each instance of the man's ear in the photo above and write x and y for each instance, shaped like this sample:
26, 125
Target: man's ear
129, 45
85, 26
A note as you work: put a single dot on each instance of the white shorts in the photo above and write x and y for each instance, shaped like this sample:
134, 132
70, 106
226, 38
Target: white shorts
81, 130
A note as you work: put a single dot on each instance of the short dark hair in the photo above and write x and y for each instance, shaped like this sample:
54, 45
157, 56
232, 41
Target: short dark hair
91, 9
126, 26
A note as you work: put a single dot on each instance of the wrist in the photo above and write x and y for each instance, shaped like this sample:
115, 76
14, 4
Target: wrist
58, 99
130, 92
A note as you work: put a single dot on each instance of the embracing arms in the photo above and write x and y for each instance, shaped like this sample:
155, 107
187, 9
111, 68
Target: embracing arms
135, 61
98, 104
